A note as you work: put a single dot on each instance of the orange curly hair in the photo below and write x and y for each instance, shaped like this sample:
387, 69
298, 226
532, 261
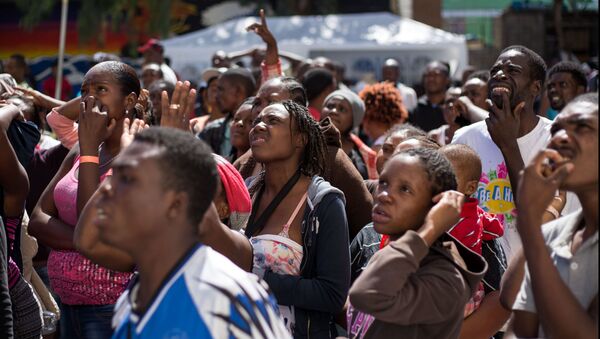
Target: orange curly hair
383, 103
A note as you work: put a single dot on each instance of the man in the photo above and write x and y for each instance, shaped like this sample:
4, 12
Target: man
150, 73
233, 86
153, 52
559, 296
428, 113
184, 289
16, 65
566, 80
510, 136
155, 93
391, 72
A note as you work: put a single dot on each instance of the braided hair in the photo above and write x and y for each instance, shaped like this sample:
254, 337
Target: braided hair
312, 161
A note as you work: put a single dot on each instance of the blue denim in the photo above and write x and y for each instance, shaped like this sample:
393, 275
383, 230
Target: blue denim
85, 322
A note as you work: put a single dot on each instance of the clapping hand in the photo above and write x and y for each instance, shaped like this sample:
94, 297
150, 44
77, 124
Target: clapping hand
130, 130
176, 112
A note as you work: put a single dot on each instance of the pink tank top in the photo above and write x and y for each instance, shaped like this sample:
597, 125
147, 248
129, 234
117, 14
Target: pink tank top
76, 279
282, 255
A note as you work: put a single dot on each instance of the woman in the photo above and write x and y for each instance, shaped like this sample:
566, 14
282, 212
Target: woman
232, 204
240, 128
346, 110
298, 225
87, 291
14, 186
383, 109
211, 110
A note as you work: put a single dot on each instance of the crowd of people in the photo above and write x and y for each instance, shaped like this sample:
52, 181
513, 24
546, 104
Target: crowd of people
272, 204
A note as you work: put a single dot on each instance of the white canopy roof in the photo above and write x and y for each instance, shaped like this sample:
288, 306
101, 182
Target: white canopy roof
361, 41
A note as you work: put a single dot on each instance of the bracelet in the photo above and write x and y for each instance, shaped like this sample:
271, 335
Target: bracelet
89, 159
553, 211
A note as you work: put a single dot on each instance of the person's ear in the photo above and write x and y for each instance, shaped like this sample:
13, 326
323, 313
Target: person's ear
177, 204
580, 90
300, 139
130, 101
536, 88
471, 187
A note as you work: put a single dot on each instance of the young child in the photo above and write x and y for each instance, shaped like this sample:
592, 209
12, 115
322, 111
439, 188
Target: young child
368, 241
417, 285
475, 224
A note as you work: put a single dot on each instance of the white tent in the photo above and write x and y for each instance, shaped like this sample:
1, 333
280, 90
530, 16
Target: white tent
361, 41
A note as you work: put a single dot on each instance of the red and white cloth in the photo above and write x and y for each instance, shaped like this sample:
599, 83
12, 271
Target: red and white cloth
236, 192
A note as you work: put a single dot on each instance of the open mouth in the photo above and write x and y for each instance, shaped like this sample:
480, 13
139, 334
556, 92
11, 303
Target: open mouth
499, 89
256, 141
555, 99
101, 216
379, 216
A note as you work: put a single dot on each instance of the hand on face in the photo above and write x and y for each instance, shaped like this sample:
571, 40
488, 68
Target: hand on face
94, 125
503, 123
539, 182
176, 112
446, 211
452, 110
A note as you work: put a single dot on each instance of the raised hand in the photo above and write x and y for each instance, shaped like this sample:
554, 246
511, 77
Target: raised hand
94, 125
262, 30
8, 113
142, 105
39, 99
539, 182
130, 130
176, 112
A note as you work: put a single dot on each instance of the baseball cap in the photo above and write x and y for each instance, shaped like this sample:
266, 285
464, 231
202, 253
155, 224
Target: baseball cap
152, 43
212, 72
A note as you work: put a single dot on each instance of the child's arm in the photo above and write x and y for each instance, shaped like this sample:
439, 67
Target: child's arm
393, 288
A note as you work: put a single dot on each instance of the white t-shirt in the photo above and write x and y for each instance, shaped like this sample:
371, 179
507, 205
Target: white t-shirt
494, 192
409, 96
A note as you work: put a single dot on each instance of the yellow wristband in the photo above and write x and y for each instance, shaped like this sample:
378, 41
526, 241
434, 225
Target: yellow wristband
89, 159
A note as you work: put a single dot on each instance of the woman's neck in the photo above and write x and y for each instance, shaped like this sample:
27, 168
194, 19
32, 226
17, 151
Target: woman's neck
278, 174
112, 144
240, 152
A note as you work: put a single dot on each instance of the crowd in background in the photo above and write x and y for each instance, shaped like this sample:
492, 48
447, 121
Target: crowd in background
269, 202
